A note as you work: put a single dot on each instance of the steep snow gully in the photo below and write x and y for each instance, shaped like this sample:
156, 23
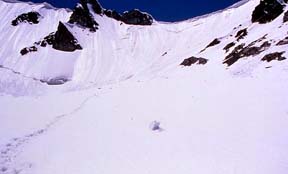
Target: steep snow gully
91, 90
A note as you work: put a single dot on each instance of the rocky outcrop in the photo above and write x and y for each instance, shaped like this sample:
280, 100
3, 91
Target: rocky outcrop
96, 6
211, 44
228, 46
194, 60
241, 51
285, 18
64, 40
48, 40
113, 14
82, 16
27, 50
30, 17
274, 56
283, 42
136, 17
133, 17
267, 11
241, 34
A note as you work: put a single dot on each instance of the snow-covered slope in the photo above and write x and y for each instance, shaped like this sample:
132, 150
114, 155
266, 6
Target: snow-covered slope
128, 106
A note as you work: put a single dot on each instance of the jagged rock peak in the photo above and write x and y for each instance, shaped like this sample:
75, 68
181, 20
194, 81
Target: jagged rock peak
267, 11
64, 40
95, 5
81, 15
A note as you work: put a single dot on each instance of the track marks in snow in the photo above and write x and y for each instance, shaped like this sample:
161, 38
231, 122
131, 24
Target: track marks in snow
19, 73
11, 150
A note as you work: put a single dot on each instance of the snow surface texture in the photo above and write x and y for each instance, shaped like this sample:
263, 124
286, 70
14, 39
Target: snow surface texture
130, 107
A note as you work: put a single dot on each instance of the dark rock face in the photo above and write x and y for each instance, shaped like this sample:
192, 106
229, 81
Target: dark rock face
241, 51
26, 50
136, 17
228, 46
285, 18
113, 14
241, 34
211, 44
30, 17
96, 6
64, 40
267, 11
82, 16
133, 17
274, 56
48, 40
283, 42
194, 60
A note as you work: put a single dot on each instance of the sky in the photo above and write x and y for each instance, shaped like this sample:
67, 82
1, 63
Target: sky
161, 10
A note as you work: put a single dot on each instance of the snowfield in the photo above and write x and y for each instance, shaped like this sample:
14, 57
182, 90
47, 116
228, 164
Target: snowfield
213, 118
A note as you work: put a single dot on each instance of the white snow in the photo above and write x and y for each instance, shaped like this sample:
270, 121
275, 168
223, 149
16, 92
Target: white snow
214, 119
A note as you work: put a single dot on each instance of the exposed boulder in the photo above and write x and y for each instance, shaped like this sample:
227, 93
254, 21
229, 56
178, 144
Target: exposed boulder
81, 15
267, 11
136, 17
30, 17
274, 56
241, 34
64, 40
283, 42
241, 51
194, 60
285, 18
228, 46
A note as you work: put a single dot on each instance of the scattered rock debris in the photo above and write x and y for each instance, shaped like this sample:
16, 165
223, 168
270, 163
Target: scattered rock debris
241, 51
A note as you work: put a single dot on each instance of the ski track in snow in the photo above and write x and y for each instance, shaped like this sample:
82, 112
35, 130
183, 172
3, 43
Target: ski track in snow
19, 73
10, 150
